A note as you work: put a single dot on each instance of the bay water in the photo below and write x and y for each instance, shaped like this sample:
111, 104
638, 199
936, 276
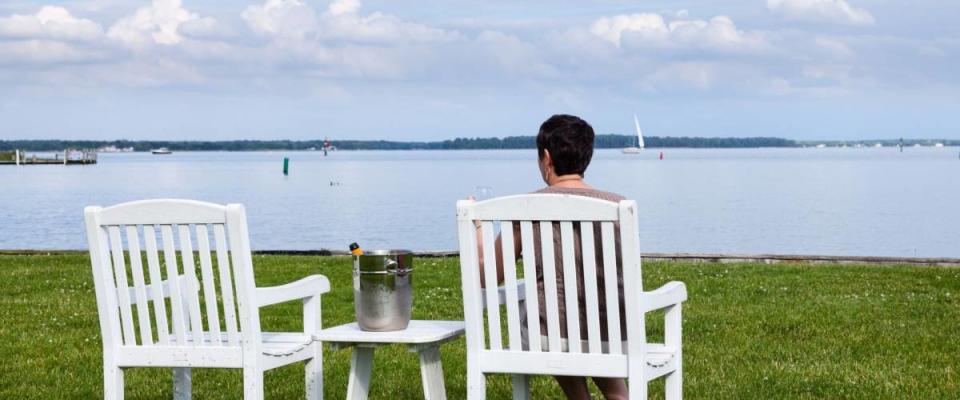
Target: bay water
834, 201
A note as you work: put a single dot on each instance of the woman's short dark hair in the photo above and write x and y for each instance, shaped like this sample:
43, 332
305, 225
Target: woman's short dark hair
570, 142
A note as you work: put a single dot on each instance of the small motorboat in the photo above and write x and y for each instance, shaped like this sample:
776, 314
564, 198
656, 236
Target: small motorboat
162, 150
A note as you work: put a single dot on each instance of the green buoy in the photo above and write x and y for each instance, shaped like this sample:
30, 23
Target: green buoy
286, 165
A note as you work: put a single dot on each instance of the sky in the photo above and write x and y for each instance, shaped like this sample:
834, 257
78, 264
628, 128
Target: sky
440, 69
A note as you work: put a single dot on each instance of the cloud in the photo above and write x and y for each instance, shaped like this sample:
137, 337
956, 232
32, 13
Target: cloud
50, 22
834, 47
649, 29
829, 11
283, 18
341, 7
381, 28
203, 27
159, 23
342, 21
284, 43
509, 55
41, 51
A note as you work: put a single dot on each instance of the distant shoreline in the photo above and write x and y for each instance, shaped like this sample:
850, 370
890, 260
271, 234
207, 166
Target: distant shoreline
607, 141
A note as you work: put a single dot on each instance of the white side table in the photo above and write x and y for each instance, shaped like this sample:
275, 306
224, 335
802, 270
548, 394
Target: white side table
422, 337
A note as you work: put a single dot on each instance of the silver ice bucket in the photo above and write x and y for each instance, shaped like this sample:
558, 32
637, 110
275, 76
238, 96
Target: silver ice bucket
382, 289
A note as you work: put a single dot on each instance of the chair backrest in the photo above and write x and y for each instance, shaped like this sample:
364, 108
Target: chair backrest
173, 273
538, 215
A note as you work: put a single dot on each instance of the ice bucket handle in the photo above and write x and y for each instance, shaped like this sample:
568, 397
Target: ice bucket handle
389, 263
389, 268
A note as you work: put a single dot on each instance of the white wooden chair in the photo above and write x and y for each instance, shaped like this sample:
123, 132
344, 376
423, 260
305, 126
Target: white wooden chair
179, 315
630, 357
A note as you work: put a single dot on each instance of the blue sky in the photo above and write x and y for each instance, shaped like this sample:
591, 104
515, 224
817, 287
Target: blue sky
432, 69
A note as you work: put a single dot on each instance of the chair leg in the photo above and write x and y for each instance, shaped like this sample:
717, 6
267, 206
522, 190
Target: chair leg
314, 374
431, 371
673, 336
674, 385
521, 387
637, 387
182, 384
252, 383
476, 385
361, 363
112, 382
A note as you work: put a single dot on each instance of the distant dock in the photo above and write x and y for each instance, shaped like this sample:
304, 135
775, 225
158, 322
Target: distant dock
66, 157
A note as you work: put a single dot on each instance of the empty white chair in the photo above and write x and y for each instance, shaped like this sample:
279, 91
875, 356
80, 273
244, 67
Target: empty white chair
526, 350
175, 289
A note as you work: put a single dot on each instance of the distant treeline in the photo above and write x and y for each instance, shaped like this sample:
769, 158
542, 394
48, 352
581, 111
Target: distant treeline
511, 142
884, 142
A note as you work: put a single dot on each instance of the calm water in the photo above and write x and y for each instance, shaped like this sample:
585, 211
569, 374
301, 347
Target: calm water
787, 201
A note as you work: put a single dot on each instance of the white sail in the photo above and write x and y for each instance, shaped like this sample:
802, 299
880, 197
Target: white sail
636, 123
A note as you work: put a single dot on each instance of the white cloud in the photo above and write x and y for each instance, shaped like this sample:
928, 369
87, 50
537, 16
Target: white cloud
50, 22
159, 23
647, 25
681, 76
834, 47
283, 18
509, 54
40, 51
341, 7
832, 11
381, 28
203, 27
649, 29
342, 21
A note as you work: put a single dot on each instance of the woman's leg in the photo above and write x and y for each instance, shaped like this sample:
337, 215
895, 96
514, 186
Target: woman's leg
575, 387
612, 388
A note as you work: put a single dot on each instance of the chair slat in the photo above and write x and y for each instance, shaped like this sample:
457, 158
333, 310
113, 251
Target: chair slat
226, 285
139, 285
510, 285
570, 290
490, 281
192, 295
590, 287
173, 278
550, 286
122, 285
610, 287
209, 289
530, 284
156, 280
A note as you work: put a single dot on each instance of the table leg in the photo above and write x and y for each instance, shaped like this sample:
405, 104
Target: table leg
431, 370
361, 363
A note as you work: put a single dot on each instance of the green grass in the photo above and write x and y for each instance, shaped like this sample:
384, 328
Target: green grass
751, 331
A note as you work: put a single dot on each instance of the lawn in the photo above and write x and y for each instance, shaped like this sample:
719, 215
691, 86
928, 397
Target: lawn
751, 331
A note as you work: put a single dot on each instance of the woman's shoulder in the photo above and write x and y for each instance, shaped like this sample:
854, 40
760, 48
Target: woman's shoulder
586, 192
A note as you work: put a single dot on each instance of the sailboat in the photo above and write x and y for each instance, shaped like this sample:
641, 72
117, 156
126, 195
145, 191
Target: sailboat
640, 146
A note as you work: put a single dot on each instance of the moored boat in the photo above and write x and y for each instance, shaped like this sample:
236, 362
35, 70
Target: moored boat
640, 145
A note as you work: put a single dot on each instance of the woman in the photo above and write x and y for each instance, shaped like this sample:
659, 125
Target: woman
564, 150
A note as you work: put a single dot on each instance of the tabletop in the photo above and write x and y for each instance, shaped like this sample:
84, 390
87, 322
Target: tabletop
417, 332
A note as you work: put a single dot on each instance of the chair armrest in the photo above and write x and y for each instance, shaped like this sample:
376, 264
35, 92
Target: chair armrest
313, 285
671, 294
502, 293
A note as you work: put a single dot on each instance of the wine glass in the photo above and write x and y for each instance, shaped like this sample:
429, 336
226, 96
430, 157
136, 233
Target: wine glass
482, 193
